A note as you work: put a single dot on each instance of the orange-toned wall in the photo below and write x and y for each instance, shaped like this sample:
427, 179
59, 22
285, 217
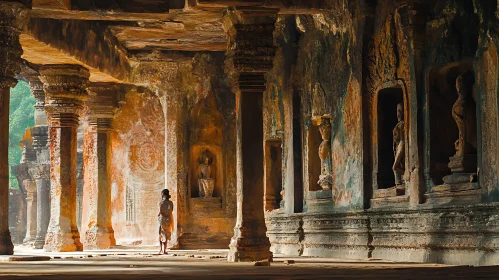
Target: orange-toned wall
137, 164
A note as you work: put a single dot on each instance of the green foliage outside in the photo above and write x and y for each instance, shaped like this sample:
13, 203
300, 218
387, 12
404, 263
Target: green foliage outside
21, 116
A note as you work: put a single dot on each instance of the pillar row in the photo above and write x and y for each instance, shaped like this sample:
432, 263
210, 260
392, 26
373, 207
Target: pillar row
12, 17
65, 93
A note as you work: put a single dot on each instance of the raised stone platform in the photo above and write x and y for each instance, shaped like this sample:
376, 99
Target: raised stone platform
451, 235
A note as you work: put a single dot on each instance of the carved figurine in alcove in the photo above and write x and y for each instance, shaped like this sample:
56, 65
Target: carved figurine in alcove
464, 113
325, 179
206, 175
399, 146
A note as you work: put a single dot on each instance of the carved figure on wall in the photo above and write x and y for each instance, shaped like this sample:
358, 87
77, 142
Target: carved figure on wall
325, 179
464, 113
399, 146
206, 175
464, 163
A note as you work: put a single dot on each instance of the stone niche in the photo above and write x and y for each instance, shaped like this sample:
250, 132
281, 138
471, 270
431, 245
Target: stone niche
389, 146
273, 174
200, 187
206, 161
452, 150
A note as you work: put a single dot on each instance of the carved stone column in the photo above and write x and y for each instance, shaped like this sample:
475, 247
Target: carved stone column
42, 181
36, 87
31, 199
40, 173
12, 16
102, 106
65, 94
250, 56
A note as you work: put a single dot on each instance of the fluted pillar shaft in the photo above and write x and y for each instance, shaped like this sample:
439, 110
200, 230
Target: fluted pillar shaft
65, 93
102, 106
31, 205
12, 17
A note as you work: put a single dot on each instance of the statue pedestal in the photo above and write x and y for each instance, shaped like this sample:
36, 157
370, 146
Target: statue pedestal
390, 192
325, 181
206, 187
463, 164
390, 197
460, 187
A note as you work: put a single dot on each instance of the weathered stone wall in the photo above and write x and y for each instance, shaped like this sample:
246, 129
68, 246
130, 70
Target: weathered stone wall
420, 49
318, 64
137, 168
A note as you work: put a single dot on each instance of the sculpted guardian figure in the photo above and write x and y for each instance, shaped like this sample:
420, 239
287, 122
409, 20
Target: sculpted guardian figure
464, 113
325, 179
399, 146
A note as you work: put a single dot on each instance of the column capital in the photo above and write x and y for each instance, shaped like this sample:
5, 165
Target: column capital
13, 16
40, 136
103, 104
30, 185
65, 93
36, 87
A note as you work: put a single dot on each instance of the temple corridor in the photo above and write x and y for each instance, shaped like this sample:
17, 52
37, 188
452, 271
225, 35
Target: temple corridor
360, 138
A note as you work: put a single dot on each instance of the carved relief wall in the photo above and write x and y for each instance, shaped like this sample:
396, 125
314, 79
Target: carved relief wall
137, 168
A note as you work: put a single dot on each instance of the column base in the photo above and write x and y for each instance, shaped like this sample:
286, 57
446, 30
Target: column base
242, 253
63, 242
249, 246
39, 242
29, 240
6, 246
99, 238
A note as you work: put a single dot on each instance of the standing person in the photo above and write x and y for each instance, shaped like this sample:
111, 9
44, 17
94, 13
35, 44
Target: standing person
165, 218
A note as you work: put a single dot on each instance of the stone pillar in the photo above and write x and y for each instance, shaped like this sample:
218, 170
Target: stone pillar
250, 57
42, 181
41, 172
65, 93
31, 202
102, 106
12, 16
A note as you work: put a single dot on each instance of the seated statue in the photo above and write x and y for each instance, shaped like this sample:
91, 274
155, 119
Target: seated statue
206, 180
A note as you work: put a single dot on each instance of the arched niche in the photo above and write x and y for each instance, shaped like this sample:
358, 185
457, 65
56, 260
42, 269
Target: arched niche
442, 131
273, 174
384, 120
206, 137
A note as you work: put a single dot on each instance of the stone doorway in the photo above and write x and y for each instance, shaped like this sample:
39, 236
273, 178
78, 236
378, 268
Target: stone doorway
273, 174
388, 99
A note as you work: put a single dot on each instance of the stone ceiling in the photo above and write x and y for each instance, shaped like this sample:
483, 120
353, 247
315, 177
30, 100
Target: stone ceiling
107, 36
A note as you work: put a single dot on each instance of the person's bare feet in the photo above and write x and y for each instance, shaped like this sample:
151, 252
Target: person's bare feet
160, 252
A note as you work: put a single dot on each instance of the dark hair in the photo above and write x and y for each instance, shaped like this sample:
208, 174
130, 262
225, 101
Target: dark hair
166, 193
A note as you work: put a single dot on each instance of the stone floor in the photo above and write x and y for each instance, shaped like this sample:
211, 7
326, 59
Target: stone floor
127, 263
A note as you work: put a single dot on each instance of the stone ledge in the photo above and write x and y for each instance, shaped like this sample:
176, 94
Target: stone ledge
23, 258
459, 235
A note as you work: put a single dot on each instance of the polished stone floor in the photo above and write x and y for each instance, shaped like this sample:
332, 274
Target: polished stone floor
143, 263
